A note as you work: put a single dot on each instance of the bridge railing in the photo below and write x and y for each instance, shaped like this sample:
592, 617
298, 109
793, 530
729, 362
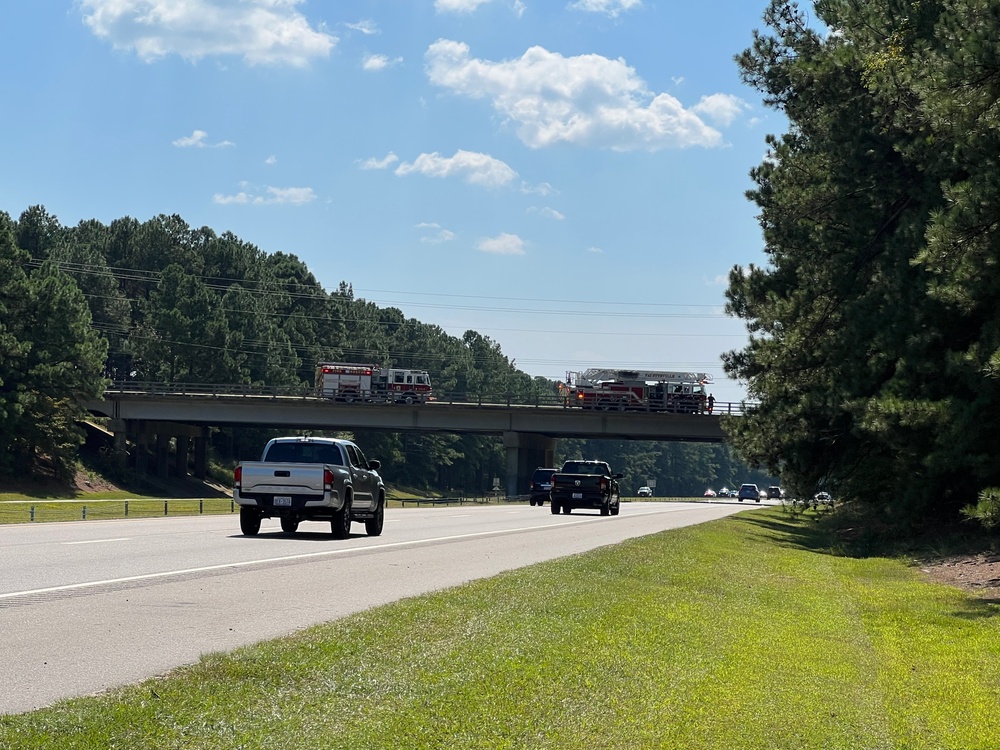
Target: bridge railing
463, 398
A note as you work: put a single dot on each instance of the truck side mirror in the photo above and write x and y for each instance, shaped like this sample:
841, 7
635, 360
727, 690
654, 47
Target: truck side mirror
619, 475
374, 464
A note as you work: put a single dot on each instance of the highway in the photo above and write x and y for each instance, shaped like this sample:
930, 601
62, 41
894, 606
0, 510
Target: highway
87, 606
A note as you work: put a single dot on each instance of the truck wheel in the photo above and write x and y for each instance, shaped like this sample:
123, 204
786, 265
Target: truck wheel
341, 523
606, 508
408, 399
555, 507
249, 521
566, 509
616, 508
289, 524
373, 526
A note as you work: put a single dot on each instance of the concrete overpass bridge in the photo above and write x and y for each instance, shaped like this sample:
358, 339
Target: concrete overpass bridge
151, 415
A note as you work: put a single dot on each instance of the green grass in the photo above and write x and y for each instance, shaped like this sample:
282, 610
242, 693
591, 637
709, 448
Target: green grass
740, 633
94, 508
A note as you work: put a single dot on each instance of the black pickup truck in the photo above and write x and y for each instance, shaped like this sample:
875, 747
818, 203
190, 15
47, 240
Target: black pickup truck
585, 484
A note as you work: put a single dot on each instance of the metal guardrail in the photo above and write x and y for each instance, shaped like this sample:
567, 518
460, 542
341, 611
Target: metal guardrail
240, 390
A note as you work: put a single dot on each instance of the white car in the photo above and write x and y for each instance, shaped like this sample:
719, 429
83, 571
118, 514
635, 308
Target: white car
644, 492
822, 498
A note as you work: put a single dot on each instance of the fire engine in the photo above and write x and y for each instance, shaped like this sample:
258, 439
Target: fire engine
637, 390
347, 381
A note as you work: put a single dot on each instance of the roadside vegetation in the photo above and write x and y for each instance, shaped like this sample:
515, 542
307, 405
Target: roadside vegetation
742, 633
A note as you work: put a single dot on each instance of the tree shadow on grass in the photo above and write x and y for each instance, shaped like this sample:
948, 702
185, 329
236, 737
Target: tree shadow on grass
861, 532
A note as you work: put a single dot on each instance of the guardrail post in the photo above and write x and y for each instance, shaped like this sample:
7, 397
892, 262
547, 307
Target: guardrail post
32, 512
126, 509
84, 512
201, 505
164, 507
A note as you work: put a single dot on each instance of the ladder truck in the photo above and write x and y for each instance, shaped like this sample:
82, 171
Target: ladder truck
350, 382
637, 390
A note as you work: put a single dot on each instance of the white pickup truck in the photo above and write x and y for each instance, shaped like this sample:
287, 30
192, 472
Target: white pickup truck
310, 479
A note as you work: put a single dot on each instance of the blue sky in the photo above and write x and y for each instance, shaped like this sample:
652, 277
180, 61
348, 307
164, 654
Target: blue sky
566, 178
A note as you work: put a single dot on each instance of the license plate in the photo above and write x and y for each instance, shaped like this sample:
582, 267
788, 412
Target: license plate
578, 496
283, 500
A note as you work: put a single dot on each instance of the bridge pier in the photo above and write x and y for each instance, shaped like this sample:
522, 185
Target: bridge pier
526, 452
149, 437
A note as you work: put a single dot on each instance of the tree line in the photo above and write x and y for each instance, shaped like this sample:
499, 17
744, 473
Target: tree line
875, 324
160, 301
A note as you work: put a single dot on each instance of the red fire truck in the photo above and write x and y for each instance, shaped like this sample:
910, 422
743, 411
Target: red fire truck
348, 381
637, 390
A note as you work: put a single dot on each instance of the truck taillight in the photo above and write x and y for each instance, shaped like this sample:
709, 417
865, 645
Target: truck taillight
327, 477
238, 476
604, 484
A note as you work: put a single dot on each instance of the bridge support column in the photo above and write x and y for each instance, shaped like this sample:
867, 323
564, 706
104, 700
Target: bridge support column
181, 463
525, 453
119, 450
141, 449
162, 455
201, 454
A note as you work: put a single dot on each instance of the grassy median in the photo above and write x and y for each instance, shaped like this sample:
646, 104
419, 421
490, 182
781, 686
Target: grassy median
740, 633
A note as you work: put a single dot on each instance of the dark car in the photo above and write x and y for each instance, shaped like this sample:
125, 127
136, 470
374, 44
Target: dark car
774, 493
539, 486
749, 492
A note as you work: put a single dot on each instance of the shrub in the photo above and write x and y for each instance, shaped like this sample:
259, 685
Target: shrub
987, 510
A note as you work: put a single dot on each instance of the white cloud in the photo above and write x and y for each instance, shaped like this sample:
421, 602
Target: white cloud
548, 213
366, 26
503, 244
595, 250
270, 196
261, 31
197, 140
607, 7
474, 168
272, 159
379, 62
384, 163
721, 109
437, 236
458, 6
542, 188
471, 6
587, 100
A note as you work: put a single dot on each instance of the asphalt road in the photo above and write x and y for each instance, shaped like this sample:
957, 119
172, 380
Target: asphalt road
87, 606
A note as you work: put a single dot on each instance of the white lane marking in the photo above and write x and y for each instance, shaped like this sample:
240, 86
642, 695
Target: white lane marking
460, 515
100, 541
325, 553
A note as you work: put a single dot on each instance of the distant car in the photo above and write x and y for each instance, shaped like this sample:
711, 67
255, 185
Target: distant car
749, 492
645, 492
822, 498
774, 493
539, 486
710, 493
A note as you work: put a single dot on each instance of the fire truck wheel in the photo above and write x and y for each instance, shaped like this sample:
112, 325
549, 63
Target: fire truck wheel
408, 398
